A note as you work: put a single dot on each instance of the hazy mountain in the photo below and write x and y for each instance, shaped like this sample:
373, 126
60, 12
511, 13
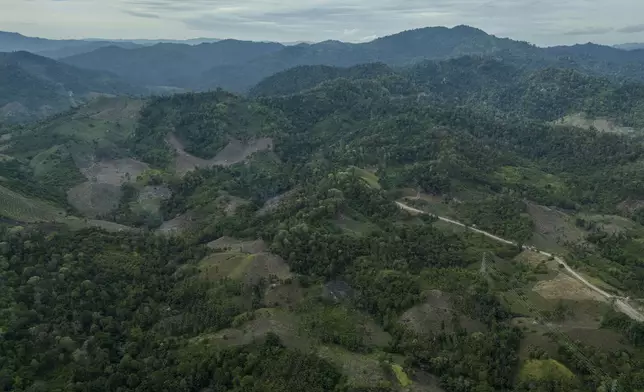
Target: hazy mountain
435, 43
400, 49
35, 86
13, 42
178, 65
150, 42
84, 47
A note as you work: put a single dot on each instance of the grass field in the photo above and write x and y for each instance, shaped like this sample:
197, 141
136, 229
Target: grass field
23, 209
530, 176
249, 268
370, 178
548, 369
361, 370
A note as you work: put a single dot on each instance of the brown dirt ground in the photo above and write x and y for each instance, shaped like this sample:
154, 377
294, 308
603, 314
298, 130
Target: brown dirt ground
436, 312
233, 244
115, 172
553, 227
235, 152
93, 199
566, 287
180, 224
273, 203
630, 206
249, 269
283, 324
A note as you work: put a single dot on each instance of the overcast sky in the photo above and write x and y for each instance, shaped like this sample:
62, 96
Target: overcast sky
543, 22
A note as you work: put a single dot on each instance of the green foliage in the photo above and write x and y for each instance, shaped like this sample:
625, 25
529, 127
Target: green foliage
500, 215
205, 123
36, 86
335, 324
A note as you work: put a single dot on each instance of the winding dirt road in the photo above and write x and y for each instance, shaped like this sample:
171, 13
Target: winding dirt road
619, 302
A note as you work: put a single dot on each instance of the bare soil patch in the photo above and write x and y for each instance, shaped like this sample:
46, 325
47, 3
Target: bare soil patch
284, 295
235, 152
92, 199
263, 321
554, 226
114, 172
155, 192
630, 206
179, 224
249, 269
233, 244
437, 314
601, 124
273, 203
566, 287
611, 224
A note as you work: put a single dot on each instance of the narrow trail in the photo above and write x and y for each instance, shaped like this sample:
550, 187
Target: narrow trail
619, 302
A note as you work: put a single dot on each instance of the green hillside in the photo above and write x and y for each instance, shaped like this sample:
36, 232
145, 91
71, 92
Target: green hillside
34, 87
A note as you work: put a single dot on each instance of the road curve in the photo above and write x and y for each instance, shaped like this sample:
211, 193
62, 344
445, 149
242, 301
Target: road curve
619, 303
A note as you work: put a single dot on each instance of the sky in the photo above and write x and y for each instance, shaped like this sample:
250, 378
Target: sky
542, 22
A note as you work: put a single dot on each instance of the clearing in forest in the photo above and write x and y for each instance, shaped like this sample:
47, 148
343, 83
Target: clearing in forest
553, 228
115, 172
255, 325
581, 120
93, 200
17, 207
248, 268
564, 286
235, 152
235, 245
437, 313
361, 370
178, 225
369, 177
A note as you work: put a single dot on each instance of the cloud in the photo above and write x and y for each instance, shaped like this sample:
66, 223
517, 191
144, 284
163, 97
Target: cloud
632, 29
590, 31
139, 14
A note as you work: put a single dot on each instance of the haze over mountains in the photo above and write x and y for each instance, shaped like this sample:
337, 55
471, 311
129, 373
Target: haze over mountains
128, 67
248, 64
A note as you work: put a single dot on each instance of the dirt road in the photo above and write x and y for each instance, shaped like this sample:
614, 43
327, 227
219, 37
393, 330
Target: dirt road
619, 302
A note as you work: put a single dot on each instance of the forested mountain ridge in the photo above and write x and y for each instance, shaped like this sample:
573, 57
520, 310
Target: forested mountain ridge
167, 64
547, 94
32, 86
239, 73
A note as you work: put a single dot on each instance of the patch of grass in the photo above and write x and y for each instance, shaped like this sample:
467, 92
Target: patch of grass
401, 376
55, 167
354, 226
244, 267
530, 176
20, 208
545, 370
361, 370
370, 178
341, 325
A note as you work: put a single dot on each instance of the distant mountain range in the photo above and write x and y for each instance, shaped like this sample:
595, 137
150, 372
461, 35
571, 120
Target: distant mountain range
122, 67
33, 86
56, 49
239, 65
177, 65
